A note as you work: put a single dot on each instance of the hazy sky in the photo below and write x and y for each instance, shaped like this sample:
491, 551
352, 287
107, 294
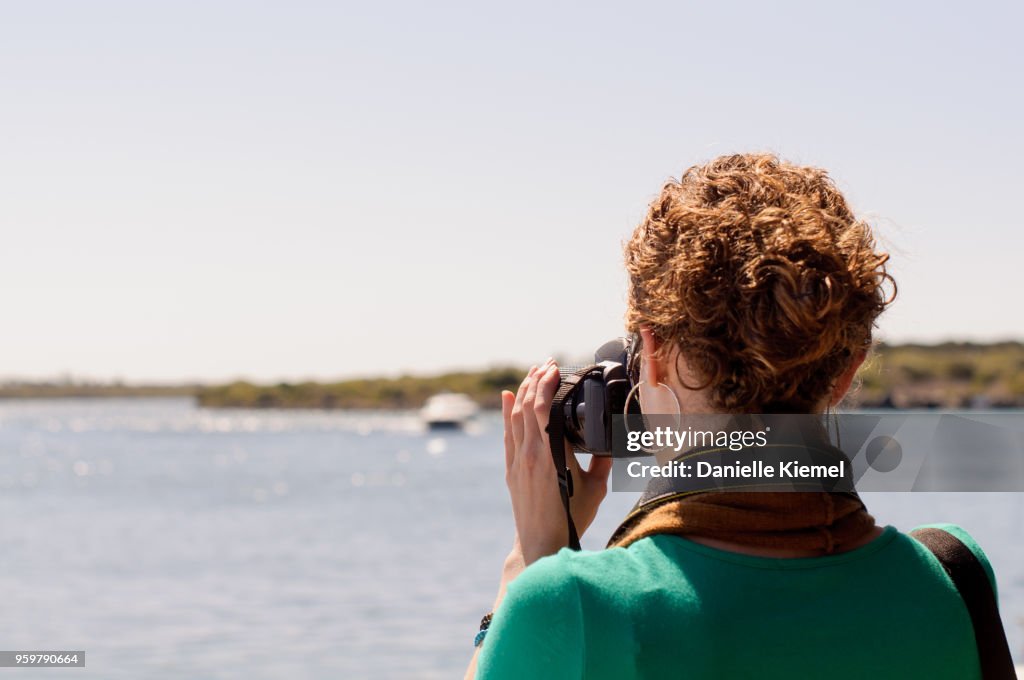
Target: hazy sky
281, 190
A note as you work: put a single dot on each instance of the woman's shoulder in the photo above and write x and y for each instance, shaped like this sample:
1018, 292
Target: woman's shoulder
553, 612
568, 569
572, 579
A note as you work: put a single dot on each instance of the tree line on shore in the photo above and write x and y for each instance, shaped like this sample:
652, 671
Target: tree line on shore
947, 375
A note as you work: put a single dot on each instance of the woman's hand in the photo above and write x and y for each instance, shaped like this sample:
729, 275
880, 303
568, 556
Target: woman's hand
530, 472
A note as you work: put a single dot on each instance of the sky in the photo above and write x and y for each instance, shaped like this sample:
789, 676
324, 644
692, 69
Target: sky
214, 190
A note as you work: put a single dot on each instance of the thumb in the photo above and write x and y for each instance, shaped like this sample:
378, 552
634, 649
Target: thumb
598, 470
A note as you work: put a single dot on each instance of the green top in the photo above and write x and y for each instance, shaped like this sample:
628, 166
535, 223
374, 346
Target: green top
666, 607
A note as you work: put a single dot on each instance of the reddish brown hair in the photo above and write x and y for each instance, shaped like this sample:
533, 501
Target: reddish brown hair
758, 272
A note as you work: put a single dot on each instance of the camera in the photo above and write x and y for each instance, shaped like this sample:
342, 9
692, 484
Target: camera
588, 398
582, 410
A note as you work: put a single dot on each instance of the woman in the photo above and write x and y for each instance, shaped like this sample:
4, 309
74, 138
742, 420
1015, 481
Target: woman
754, 290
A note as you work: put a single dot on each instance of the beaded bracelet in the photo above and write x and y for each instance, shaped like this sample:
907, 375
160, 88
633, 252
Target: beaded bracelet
485, 623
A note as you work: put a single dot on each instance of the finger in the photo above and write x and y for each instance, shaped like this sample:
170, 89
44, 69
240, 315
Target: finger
508, 400
596, 476
546, 388
530, 430
599, 469
517, 410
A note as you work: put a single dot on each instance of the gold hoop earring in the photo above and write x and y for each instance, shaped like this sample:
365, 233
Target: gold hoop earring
629, 397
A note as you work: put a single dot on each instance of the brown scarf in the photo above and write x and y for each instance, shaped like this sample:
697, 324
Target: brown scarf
800, 520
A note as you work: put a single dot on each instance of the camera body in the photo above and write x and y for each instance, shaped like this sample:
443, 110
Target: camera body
598, 393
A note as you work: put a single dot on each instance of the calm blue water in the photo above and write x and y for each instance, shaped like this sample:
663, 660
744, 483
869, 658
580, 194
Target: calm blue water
170, 542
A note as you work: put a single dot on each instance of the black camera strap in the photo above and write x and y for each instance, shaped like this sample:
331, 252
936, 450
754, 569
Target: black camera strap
971, 581
556, 435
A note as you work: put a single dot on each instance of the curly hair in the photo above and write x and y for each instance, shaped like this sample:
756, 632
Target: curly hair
759, 274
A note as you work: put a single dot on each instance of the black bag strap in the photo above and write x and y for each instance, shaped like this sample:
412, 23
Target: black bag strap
972, 583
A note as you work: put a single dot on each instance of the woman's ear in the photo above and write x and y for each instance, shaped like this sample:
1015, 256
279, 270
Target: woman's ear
842, 385
649, 369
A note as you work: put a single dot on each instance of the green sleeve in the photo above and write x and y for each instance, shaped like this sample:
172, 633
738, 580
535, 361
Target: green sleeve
537, 631
965, 538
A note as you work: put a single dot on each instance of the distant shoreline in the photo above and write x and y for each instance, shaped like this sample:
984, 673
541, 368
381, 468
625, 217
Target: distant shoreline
948, 375
50, 390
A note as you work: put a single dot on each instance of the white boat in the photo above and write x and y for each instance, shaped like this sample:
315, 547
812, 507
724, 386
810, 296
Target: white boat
448, 410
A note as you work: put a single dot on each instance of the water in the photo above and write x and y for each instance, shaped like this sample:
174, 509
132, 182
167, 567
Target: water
169, 541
